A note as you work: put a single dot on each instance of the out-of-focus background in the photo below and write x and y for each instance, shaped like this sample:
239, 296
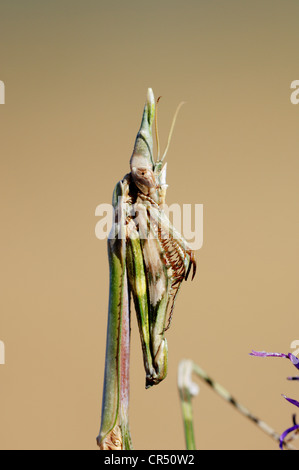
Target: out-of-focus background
76, 75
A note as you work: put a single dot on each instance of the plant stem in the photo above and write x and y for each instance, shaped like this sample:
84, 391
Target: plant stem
115, 433
186, 390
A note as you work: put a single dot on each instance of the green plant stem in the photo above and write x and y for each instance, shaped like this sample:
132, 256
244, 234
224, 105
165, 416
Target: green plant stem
187, 390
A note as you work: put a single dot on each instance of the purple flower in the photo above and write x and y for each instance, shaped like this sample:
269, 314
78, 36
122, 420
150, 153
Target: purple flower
288, 431
295, 362
294, 402
290, 356
293, 428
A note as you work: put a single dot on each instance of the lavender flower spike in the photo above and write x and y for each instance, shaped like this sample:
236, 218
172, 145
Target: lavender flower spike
286, 433
290, 400
292, 429
266, 354
295, 362
290, 356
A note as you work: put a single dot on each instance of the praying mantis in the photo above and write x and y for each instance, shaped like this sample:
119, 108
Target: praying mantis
148, 260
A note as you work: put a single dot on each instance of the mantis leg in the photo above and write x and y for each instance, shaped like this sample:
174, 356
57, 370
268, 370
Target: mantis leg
114, 433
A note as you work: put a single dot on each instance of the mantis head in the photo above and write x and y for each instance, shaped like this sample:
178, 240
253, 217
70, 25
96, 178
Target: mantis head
149, 175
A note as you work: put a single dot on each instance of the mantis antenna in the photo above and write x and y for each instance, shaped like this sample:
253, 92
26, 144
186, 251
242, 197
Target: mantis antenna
156, 129
171, 128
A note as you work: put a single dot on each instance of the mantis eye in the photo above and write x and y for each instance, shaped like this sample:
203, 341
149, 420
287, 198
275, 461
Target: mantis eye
143, 177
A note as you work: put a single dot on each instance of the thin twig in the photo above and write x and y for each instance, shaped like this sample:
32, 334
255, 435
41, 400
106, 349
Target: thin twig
187, 390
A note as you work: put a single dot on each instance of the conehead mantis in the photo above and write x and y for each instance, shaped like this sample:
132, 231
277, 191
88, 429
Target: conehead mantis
148, 260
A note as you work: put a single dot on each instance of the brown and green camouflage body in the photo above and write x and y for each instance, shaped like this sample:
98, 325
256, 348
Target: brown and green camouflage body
148, 260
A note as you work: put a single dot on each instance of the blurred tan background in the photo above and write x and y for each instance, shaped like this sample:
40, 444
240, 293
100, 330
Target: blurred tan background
76, 75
